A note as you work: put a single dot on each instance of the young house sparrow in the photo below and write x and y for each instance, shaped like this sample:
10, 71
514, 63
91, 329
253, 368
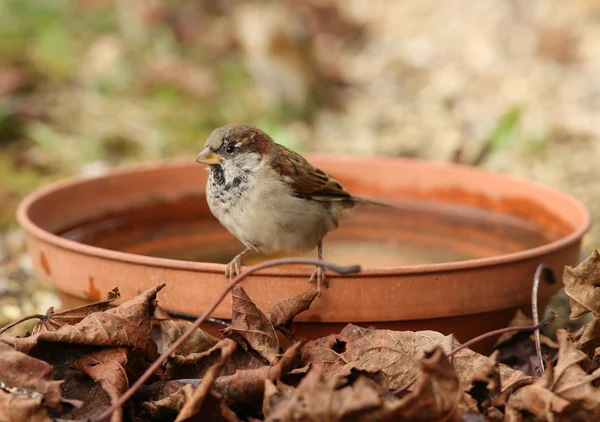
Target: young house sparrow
269, 197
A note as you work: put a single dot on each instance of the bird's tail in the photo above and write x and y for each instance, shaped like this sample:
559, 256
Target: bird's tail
363, 201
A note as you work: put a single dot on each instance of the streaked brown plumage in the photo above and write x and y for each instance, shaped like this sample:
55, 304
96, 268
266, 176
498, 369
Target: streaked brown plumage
270, 197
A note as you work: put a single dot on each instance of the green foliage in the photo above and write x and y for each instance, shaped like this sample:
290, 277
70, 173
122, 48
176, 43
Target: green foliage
505, 131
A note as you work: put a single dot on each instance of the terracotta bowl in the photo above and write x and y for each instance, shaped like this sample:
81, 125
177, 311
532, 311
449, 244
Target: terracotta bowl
457, 254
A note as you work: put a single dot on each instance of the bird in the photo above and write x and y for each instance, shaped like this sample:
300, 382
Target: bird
270, 197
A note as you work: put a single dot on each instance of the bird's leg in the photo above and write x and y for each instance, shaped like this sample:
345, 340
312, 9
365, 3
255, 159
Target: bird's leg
319, 273
233, 268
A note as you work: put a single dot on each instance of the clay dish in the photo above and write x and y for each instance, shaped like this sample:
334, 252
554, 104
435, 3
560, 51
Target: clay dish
457, 254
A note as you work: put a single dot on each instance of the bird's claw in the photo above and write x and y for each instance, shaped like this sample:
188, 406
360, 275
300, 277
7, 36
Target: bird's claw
318, 275
233, 268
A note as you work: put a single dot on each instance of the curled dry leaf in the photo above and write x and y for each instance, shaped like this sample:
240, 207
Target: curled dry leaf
127, 325
22, 408
165, 332
247, 386
565, 390
537, 400
436, 396
590, 338
193, 406
486, 384
26, 388
282, 313
195, 365
319, 398
517, 348
582, 284
107, 367
167, 408
54, 320
519, 320
251, 328
186, 402
571, 382
395, 353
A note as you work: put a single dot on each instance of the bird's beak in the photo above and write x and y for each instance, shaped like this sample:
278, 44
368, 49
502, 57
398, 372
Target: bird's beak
207, 156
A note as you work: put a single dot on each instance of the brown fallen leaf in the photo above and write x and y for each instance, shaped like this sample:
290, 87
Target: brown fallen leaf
55, 320
582, 284
571, 382
395, 353
193, 405
519, 320
168, 407
165, 332
246, 387
537, 400
26, 388
486, 384
251, 328
15, 407
564, 393
107, 367
590, 338
186, 402
127, 325
195, 365
282, 313
517, 349
436, 395
319, 398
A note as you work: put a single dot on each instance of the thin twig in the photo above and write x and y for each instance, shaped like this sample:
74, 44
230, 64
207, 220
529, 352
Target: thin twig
20, 320
549, 317
351, 269
541, 270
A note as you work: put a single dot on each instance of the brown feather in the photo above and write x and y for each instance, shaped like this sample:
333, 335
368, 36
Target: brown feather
307, 181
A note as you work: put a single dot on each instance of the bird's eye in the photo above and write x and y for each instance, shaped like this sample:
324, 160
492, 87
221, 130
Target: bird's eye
229, 149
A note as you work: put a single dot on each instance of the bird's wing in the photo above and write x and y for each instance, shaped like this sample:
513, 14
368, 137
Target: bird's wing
307, 181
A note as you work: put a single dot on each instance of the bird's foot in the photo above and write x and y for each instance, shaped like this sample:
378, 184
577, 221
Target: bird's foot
234, 267
318, 276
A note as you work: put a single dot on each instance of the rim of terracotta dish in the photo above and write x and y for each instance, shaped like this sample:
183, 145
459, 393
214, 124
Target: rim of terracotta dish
30, 227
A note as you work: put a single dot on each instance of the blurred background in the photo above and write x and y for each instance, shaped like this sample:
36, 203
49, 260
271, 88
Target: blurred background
509, 85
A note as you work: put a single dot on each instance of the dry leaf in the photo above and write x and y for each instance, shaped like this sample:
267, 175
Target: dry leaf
436, 395
395, 353
582, 284
282, 313
486, 383
107, 367
193, 405
15, 407
590, 339
195, 365
319, 398
571, 382
251, 328
537, 400
247, 385
127, 325
55, 320
167, 331
26, 387
565, 390
168, 407
519, 320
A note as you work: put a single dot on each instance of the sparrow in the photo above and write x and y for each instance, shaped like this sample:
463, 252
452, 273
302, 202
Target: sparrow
269, 197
